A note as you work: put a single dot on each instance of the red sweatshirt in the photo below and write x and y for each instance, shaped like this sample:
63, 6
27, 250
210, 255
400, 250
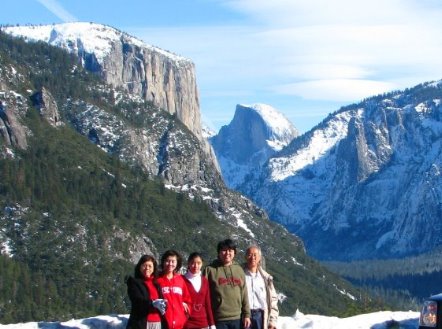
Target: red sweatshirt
175, 292
201, 307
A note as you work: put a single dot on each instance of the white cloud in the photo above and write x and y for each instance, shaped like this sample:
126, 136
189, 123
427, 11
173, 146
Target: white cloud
302, 44
323, 12
381, 41
54, 7
335, 90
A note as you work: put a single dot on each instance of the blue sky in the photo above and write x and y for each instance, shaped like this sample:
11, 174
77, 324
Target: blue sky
306, 58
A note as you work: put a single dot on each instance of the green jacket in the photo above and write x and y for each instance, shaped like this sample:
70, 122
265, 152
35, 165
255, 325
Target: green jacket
228, 291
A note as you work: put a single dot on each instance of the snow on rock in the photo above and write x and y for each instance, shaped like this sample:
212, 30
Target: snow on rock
89, 37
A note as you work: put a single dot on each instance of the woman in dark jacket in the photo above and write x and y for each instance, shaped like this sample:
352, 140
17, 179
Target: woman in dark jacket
145, 295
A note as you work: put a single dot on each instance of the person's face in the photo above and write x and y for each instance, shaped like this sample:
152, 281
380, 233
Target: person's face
226, 256
170, 264
195, 265
146, 269
253, 257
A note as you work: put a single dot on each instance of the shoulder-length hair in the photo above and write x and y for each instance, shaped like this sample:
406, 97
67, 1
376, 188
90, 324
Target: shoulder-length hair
141, 261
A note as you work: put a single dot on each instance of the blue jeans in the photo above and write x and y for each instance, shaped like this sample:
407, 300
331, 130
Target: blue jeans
229, 324
257, 319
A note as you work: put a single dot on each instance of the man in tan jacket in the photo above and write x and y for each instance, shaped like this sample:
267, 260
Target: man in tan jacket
262, 295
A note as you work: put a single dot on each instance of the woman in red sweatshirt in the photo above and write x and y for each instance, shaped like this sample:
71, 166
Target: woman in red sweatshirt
201, 315
174, 290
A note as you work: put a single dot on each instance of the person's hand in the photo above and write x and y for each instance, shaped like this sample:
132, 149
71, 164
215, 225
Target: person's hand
247, 322
186, 308
160, 305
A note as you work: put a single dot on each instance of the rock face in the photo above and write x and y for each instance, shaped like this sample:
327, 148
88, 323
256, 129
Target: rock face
45, 103
256, 132
168, 81
12, 132
159, 144
366, 182
13, 106
125, 62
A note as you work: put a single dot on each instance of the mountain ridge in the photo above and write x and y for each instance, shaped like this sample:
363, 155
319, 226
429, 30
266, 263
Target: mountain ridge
367, 168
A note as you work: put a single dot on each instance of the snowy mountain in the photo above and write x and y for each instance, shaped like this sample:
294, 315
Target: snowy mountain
366, 182
255, 133
125, 62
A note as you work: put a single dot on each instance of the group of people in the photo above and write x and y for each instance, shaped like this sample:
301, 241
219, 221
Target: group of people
223, 295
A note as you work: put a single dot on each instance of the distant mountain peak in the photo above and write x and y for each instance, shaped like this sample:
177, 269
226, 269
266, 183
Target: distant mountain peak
281, 130
255, 133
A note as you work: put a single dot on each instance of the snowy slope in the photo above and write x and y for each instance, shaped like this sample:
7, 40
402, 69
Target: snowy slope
379, 320
365, 182
280, 129
81, 36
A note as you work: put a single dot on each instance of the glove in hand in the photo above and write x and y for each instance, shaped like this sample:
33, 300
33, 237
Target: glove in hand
160, 305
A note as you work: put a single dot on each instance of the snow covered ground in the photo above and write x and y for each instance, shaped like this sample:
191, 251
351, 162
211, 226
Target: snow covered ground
379, 320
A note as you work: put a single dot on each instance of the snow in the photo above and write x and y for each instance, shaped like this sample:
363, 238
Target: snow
272, 117
378, 320
241, 223
320, 143
89, 37
277, 122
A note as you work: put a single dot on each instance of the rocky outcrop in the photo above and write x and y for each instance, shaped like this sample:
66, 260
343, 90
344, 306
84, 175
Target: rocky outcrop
13, 106
165, 79
12, 132
45, 103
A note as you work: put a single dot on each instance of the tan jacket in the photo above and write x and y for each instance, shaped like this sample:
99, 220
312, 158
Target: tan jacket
272, 312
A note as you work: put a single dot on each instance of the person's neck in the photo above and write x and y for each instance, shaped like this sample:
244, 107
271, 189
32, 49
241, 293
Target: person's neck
192, 275
253, 269
227, 263
169, 275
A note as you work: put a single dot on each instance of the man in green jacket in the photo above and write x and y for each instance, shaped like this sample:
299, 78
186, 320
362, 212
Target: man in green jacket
228, 289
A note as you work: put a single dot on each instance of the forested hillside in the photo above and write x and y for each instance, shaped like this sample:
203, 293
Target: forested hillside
404, 282
76, 214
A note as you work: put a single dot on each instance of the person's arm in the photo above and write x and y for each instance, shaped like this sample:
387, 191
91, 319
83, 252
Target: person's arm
245, 308
136, 294
272, 300
187, 299
208, 302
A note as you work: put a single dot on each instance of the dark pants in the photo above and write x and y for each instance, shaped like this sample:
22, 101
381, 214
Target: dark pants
230, 324
257, 319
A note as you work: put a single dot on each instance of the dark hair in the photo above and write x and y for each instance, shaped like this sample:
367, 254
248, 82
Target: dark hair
194, 255
143, 259
226, 244
169, 253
